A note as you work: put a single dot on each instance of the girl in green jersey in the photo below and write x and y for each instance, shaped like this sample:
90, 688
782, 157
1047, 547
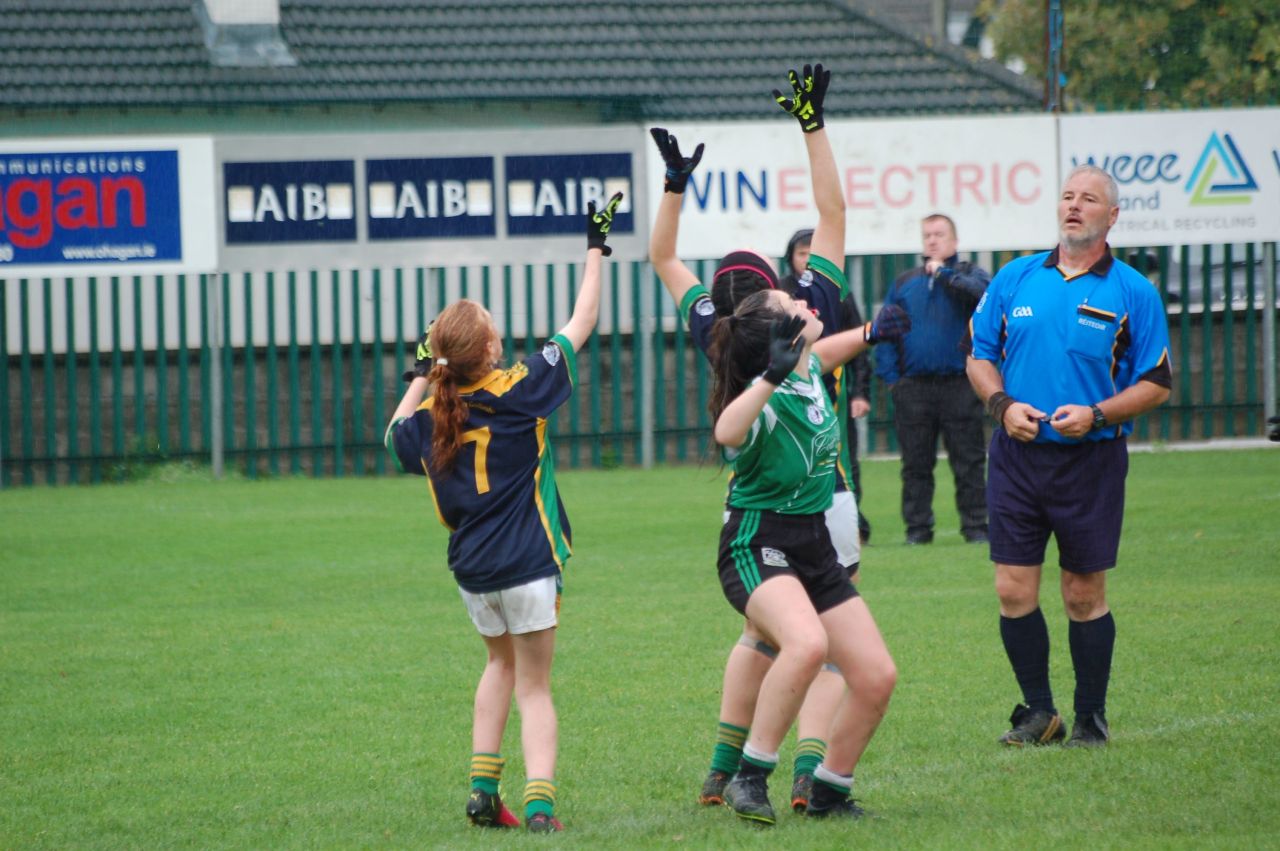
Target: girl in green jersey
777, 565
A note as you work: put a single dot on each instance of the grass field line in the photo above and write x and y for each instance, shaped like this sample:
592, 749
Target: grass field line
950, 767
1220, 719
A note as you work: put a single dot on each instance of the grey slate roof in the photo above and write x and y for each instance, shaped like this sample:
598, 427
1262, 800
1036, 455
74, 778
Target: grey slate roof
638, 60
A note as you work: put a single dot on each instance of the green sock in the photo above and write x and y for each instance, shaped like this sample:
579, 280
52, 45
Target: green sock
539, 797
809, 752
486, 771
728, 752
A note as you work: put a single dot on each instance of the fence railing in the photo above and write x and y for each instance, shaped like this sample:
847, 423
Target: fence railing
295, 372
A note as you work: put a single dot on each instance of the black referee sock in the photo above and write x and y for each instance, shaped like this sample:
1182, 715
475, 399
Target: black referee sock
1092, 643
1026, 641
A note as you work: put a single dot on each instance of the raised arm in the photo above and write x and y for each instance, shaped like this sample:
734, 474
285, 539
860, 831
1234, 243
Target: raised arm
587, 308
808, 90
890, 324
786, 347
412, 398
967, 281
675, 276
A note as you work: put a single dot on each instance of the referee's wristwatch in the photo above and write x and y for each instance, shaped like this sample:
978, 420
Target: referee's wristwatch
1099, 418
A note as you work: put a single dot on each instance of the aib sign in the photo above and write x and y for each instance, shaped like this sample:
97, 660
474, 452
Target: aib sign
303, 201
430, 198
549, 194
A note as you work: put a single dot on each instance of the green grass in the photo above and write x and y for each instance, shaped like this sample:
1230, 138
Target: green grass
286, 664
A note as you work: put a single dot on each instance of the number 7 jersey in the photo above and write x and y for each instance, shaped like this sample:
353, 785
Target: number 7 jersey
500, 502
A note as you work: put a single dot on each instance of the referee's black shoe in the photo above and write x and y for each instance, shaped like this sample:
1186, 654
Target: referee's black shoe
1033, 727
1089, 731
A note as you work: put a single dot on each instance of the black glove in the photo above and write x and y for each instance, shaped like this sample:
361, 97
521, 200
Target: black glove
421, 357
809, 91
678, 167
785, 346
1274, 422
598, 224
891, 323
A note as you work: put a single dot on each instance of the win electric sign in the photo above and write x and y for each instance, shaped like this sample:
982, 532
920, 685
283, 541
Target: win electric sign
303, 201
89, 207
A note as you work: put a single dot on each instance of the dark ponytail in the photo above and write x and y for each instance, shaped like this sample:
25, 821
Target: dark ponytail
739, 349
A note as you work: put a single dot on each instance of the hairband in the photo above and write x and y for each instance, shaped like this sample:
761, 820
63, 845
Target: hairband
747, 268
442, 361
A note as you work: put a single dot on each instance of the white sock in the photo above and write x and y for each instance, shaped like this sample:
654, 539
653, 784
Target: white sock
770, 759
839, 781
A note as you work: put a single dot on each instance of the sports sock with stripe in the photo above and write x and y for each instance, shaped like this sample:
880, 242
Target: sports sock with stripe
539, 797
486, 771
809, 752
829, 788
728, 753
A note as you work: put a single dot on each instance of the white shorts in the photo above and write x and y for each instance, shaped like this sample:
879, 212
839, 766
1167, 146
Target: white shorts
842, 523
525, 608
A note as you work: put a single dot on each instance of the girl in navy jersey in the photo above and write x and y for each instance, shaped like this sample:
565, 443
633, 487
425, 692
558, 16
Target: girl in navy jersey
481, 441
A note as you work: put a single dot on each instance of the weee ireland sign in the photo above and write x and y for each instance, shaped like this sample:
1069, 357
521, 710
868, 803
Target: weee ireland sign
1185, 178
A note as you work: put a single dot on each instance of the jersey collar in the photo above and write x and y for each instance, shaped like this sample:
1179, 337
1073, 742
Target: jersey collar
471, 388
1100, 268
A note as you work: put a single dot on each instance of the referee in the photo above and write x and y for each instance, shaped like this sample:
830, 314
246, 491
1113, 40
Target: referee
1069, 346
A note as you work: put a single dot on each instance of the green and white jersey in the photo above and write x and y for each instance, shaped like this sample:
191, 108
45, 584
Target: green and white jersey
788, 462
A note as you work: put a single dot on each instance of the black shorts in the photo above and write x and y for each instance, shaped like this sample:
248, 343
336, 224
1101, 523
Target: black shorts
758, 545
1075, 492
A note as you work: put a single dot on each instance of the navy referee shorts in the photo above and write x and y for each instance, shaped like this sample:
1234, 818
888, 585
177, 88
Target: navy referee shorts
1074, 492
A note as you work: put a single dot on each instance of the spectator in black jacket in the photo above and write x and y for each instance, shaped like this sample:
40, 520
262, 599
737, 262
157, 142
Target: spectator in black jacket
925, 372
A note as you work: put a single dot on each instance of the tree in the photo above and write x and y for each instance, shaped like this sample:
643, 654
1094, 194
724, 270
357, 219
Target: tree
1156, 54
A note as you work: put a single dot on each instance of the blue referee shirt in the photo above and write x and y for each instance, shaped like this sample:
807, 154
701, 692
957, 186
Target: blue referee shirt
1076, 340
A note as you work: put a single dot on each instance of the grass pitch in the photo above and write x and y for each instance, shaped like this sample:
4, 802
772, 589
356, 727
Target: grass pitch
286, 664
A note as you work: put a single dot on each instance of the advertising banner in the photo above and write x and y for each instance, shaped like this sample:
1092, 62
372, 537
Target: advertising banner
425, 199
310, 201
431, 198
98, 206
1185, 178
995, 176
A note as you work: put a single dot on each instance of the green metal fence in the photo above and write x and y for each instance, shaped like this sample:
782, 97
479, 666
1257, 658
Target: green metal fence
296, 372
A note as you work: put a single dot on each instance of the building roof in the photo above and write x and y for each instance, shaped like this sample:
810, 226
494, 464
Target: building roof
636, 60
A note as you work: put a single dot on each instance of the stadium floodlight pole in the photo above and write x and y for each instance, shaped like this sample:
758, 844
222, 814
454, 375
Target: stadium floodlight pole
1269, 332
214, 335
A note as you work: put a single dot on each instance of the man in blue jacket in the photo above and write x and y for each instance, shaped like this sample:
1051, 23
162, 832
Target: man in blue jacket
925, 372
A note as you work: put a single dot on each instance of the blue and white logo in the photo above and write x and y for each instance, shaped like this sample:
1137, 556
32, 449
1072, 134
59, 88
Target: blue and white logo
548, 195
304, 201
430, 198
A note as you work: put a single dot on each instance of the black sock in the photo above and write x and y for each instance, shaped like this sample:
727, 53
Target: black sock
1092, 643
1026, 641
